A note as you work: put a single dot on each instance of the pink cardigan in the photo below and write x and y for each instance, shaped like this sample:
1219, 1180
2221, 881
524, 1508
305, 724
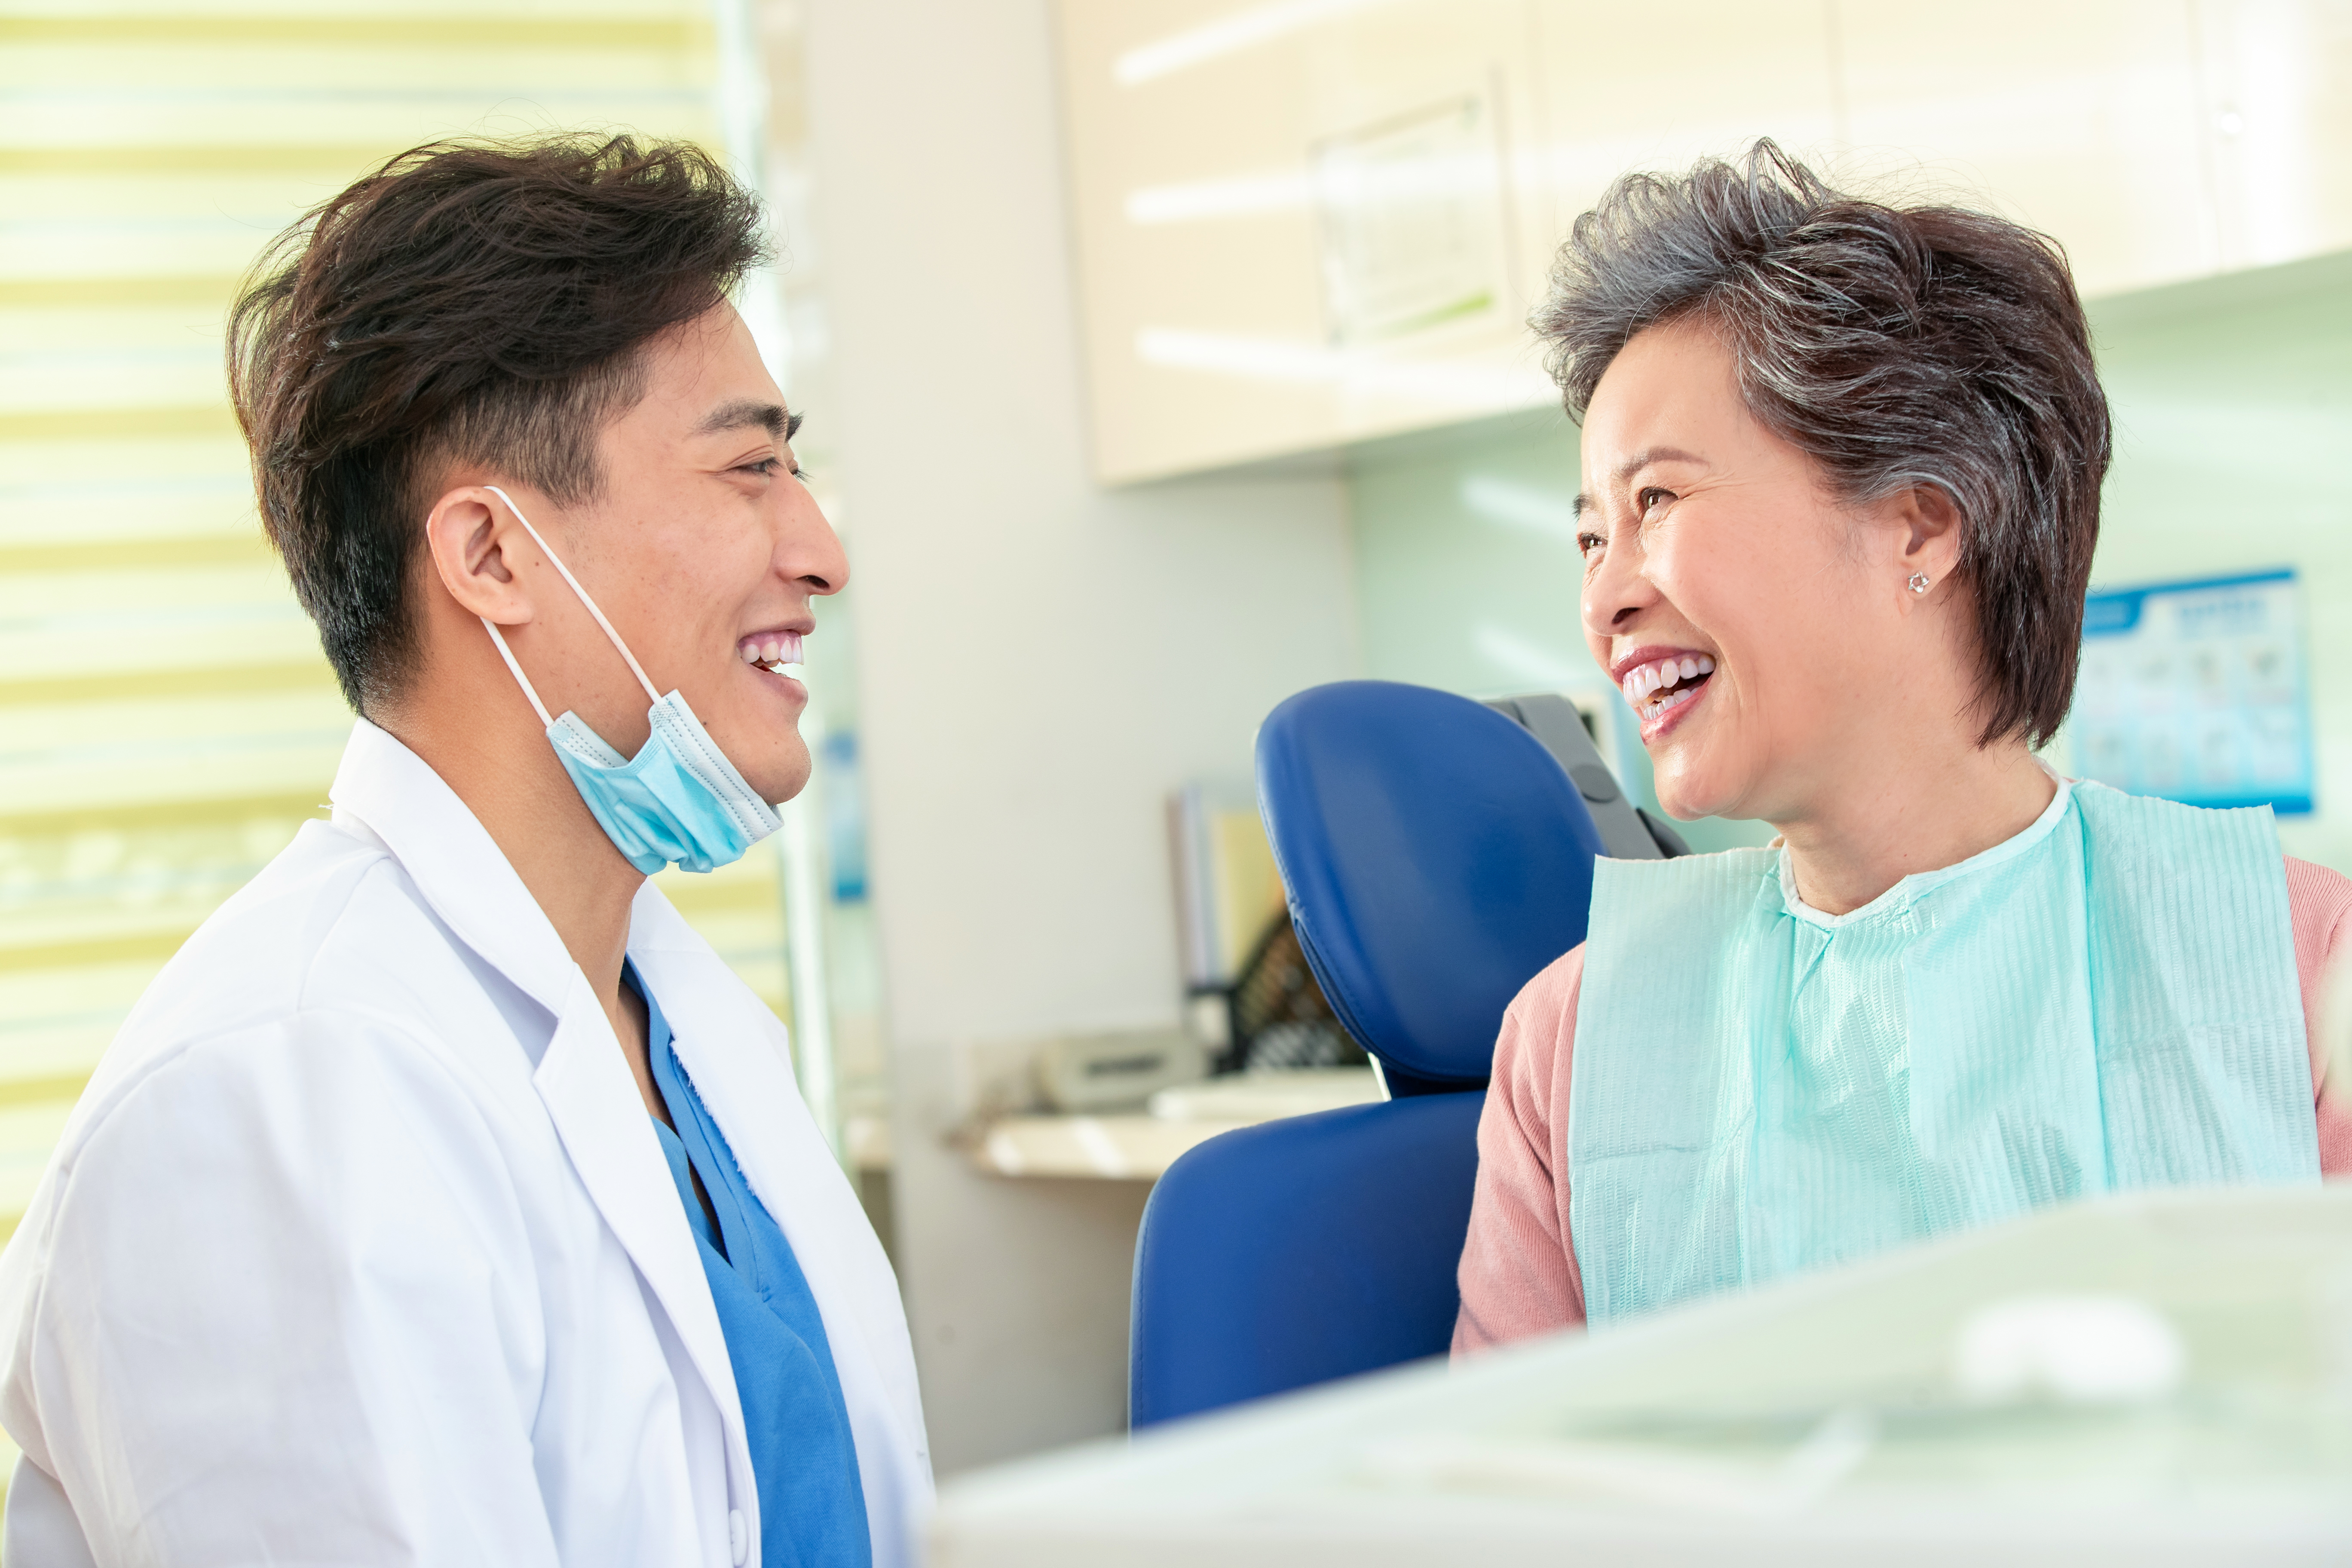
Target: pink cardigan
1519, 1269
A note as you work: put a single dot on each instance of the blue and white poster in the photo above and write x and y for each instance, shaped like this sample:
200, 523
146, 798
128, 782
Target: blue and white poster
2196, 691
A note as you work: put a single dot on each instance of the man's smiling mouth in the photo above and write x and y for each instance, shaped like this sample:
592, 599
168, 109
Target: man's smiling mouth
770, 650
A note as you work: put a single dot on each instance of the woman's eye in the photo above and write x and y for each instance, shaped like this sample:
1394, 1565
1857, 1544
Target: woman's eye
1650, 499
1586, 544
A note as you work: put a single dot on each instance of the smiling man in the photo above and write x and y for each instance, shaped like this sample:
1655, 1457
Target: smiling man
447, 1199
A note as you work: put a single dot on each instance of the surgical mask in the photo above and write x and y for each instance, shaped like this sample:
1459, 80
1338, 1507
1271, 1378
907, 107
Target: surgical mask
678, 799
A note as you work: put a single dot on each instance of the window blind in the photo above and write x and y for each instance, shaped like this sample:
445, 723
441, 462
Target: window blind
166, 719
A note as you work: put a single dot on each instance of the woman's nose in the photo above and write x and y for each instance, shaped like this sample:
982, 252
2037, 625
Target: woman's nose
1616, 591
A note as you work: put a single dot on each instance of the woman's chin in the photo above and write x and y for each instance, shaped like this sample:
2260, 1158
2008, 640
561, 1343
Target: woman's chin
1688, 795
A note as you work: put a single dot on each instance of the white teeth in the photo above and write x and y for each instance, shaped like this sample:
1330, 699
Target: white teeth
1642, 684
782, 648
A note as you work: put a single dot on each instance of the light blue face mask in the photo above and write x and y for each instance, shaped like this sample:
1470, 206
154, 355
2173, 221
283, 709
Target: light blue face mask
679, 800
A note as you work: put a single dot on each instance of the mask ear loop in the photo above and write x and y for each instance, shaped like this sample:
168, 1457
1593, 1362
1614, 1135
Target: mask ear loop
651, 695
520, 679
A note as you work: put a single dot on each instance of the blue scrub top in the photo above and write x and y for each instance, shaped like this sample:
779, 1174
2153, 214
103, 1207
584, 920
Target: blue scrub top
811, 1501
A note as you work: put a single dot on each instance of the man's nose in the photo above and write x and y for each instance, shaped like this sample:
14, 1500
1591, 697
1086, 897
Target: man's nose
810, 551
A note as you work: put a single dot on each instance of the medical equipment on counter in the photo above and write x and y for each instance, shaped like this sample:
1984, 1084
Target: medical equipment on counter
2157, 1378
1119, 1071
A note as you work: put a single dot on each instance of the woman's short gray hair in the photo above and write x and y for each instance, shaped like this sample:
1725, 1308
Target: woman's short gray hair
1895, 346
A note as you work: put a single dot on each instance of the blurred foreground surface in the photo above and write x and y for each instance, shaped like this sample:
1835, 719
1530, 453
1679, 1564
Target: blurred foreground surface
2159, 1378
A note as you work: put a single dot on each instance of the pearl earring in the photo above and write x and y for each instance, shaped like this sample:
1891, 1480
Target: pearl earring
1920, 582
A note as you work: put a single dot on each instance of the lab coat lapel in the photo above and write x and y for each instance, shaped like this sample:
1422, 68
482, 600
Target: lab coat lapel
582, 1076
739, 1058
585, 1085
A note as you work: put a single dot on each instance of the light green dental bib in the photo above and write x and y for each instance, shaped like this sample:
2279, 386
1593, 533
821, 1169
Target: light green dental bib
2107, 1000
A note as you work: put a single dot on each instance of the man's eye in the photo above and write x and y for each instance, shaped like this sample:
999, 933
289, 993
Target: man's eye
765, 466
1586, 544
1649, 500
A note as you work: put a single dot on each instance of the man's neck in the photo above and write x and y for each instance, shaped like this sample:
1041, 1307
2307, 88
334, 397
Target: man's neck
510, 780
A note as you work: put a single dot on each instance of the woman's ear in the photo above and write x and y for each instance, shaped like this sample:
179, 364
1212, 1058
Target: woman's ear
469, 531
1929, 521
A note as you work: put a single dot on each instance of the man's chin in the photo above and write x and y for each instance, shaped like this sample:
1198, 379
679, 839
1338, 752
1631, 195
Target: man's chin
781, 779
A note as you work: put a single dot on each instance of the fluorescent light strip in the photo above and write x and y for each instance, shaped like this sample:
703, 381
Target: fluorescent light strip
1454, 383
1344, 187
1521, 507
1226, 35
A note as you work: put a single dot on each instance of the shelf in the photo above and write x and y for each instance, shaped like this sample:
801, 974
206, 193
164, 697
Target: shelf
1139, 1146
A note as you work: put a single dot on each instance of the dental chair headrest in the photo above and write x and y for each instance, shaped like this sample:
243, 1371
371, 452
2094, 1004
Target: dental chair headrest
1437, 859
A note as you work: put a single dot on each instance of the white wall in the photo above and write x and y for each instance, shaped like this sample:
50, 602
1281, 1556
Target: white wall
1039, 663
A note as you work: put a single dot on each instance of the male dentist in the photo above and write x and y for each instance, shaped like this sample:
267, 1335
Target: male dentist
446, 1200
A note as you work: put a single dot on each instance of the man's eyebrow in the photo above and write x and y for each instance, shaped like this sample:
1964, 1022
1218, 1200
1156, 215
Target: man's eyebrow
745, 412
1634, 465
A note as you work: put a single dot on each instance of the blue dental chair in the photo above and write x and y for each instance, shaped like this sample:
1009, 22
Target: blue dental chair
1438, 853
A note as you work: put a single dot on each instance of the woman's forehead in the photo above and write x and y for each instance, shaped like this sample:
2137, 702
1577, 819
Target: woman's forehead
1671, 394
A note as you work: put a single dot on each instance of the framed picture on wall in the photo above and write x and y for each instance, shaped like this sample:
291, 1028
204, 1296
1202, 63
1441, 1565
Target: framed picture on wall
2198, 692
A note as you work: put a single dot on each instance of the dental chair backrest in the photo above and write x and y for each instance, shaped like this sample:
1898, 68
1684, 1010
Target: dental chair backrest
1437, 856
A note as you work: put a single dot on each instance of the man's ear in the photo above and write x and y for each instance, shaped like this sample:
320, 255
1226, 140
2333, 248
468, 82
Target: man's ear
469, 531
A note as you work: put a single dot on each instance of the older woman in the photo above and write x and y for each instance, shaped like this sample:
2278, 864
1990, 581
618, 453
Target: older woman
1842, 467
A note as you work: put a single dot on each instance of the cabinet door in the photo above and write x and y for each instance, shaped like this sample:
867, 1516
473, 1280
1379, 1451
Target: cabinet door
1296, 226
2078, 117
1654, 87
2277, 78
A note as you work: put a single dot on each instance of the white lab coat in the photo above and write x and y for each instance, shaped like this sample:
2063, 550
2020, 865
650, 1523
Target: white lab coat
361, 1248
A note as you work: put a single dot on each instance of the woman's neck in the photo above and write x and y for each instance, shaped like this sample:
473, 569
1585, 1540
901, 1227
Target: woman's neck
1909, 815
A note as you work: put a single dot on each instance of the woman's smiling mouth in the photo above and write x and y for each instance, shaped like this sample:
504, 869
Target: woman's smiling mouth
1660, 684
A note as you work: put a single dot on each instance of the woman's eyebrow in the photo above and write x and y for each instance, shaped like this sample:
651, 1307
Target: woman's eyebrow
1639, 460
1634, 465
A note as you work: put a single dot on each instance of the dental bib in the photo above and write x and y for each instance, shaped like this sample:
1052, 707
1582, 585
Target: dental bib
680, 800
2107, 1000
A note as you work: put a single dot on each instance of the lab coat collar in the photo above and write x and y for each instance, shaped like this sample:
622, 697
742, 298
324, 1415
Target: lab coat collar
582, 1076
457, 866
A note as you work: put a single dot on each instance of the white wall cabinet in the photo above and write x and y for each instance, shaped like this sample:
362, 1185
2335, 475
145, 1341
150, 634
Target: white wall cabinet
2077, 117
2276, 116
1304, 223
1662, 84
1299, 224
